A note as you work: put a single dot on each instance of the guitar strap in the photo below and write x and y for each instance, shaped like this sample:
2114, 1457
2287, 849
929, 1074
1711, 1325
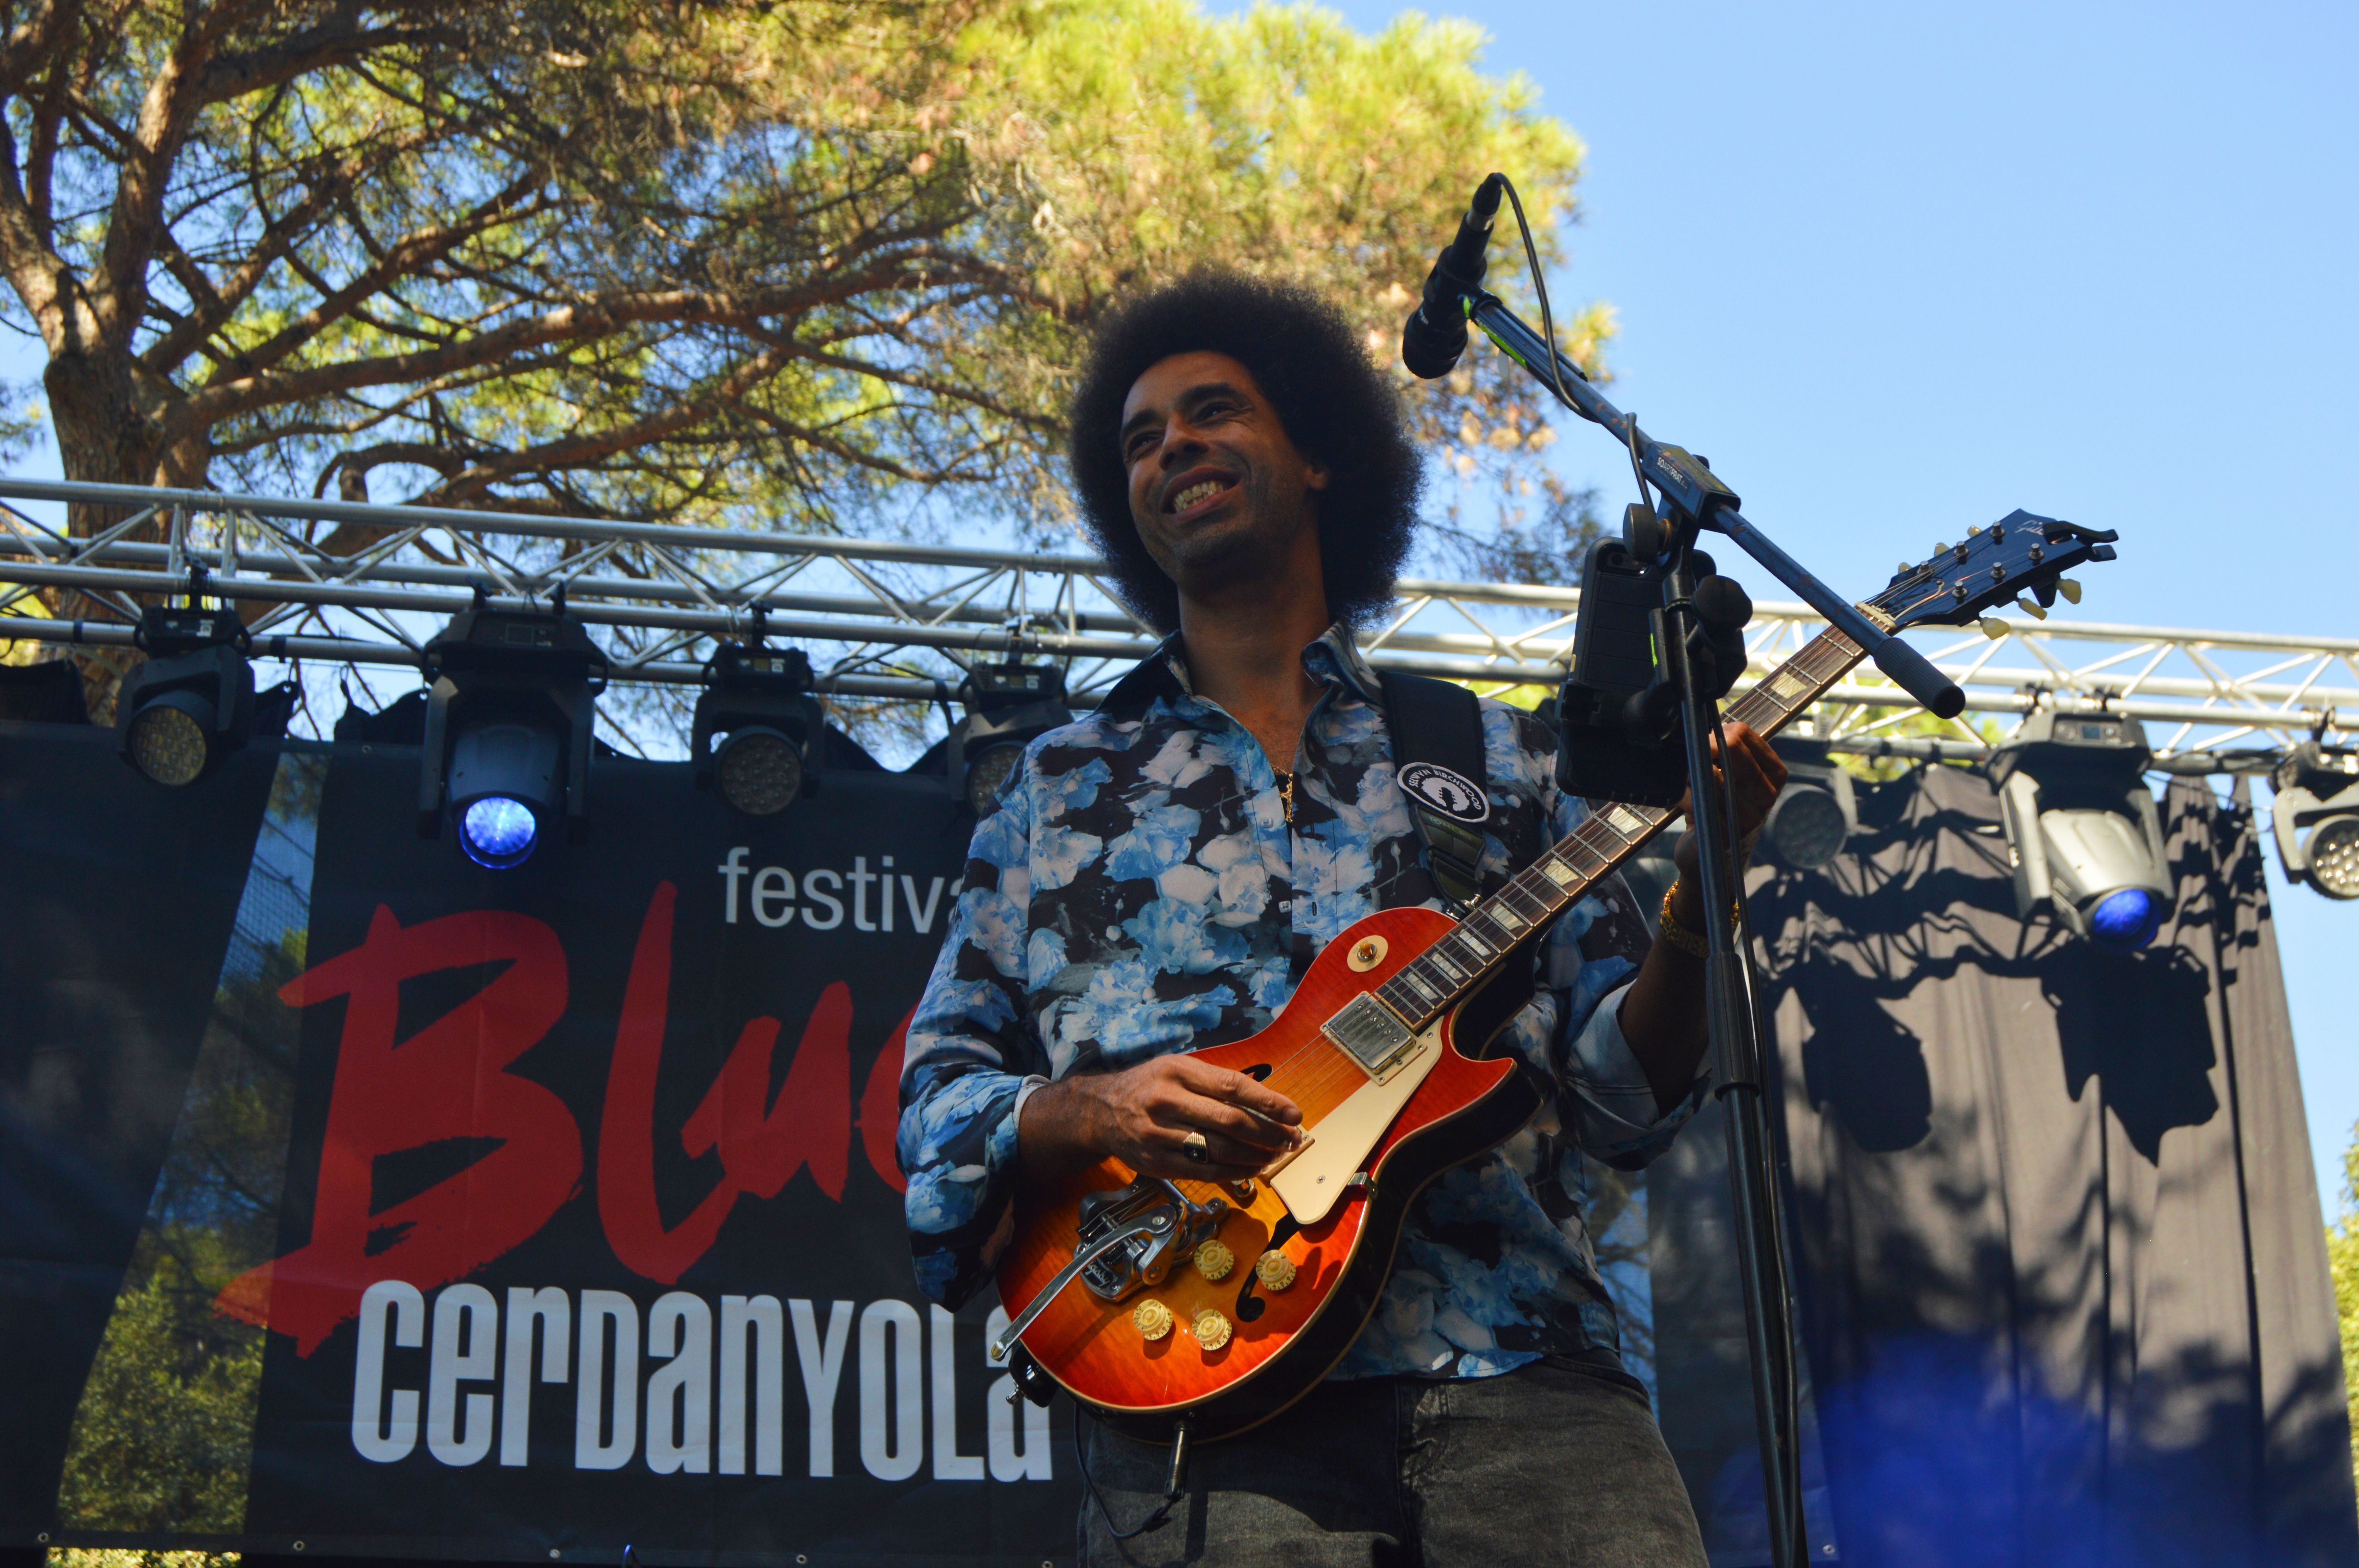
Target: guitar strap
1437, 731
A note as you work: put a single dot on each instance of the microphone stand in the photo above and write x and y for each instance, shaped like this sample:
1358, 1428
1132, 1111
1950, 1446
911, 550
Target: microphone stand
1734, 1027
1696, 500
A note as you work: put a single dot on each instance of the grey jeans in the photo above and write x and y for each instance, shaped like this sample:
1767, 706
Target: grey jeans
1545, 1465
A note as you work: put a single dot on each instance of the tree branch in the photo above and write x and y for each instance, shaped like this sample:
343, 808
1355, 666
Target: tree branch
404, 257
594, 318
165, 110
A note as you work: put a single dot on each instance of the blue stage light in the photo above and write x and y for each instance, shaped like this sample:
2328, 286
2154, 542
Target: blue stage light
2125, 921
498, 831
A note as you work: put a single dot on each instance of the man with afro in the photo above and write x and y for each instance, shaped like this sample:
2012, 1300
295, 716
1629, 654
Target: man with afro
1156, 879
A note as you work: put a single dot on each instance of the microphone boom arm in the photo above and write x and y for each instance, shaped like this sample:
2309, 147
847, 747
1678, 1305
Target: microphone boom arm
1693, 490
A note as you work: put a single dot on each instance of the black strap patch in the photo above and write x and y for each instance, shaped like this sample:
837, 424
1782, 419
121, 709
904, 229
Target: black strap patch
1437, 729
1450, 794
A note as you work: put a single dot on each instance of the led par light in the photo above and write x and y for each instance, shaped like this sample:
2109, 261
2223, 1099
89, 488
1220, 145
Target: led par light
508, 720
2316, 817
1006, 705
2081, 827
191, 704
1814, 812
759, 730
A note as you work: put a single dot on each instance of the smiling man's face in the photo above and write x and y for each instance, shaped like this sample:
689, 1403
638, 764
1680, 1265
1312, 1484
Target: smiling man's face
1217, 488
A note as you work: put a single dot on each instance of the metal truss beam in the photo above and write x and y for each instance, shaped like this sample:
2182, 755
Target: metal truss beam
661, 593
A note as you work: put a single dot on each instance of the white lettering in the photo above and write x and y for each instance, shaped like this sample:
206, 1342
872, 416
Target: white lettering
921, 920
884, 894
949, 1464
732, 867
822, 1371
861, 877
773, 883
760, 1317
379, 1442
526, 1308
598, 1309
834, 905
1010, 1462
468, 1314
680, 1394
890, 1329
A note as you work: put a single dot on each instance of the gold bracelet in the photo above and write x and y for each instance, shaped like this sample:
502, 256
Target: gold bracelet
1669, 929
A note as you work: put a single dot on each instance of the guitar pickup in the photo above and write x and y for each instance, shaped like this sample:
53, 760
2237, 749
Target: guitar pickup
1372, 1034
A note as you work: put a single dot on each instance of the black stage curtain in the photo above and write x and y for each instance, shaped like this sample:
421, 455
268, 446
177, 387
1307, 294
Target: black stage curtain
2064, 1289
314, 1138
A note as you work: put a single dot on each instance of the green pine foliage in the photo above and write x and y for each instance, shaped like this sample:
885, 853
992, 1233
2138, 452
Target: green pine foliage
2342, 1258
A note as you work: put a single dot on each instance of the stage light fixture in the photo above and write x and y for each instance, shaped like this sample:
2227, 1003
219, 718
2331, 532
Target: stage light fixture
1816, 811
2316, 817
510, 711
759, 731
191, 704
2081, 827
1006, 705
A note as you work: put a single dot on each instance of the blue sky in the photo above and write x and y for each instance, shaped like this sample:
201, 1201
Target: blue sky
1900, 269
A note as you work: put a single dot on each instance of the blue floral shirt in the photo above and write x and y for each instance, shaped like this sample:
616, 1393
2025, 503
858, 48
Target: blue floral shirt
1141, 891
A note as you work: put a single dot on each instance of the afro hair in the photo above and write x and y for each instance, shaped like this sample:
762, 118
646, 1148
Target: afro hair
1337, 407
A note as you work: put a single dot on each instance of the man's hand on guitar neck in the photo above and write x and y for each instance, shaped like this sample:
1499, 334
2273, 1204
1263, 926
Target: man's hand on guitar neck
1143, 1116
1663, 1015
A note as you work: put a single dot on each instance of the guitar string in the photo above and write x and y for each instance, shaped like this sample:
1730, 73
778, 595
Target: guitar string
1536, 888
1333, 1074
1334, 1069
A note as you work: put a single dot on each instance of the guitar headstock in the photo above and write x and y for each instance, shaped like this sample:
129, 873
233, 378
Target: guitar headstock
2018, 553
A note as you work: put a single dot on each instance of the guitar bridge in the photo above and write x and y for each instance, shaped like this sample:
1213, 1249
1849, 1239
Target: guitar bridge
1372, 1034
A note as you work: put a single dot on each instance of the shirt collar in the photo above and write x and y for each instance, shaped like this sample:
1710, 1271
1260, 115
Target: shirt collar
1332, 658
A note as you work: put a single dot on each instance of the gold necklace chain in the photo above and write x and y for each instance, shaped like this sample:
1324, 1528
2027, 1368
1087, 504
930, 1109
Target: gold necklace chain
1285, 796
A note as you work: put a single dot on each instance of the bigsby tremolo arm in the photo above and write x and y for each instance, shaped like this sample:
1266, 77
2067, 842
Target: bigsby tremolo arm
1134, 1232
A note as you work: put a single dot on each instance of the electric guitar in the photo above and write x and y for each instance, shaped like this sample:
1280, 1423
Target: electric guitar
1151, 1300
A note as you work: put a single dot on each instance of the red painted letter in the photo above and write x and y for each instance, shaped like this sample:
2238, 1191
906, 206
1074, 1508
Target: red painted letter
762, 1141
447, 1081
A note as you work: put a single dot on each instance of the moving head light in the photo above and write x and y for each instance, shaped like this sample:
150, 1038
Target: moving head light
193, 702
2081, 827
759, 732
2316, 817
1816, 811
1006, 705
509, 710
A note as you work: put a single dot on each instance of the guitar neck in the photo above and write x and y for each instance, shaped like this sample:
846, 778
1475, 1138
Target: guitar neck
1443, 977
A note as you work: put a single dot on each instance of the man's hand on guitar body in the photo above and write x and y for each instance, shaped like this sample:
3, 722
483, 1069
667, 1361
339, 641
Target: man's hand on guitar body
1144, 1116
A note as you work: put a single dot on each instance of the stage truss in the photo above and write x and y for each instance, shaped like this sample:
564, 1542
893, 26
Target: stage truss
339, 583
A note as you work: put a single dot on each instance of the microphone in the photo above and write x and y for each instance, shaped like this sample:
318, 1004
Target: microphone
1435, 334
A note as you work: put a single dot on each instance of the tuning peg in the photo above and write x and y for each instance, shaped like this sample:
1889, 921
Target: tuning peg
2069, 588
2030, 608
1993, 627
1971, 530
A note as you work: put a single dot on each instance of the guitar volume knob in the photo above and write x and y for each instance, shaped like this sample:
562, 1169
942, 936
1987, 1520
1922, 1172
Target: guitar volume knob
1211, 1330
1275, 1270
1152, 1319
1213, 1260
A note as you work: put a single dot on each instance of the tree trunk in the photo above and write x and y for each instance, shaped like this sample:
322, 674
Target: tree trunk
103, 437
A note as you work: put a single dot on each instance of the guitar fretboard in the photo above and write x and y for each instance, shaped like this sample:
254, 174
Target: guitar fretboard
1440, 977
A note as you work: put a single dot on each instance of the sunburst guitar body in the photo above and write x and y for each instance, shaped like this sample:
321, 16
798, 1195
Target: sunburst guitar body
1337, 1262
1154, 1302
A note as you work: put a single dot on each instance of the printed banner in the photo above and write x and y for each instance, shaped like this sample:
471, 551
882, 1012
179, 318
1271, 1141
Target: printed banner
520, 1215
